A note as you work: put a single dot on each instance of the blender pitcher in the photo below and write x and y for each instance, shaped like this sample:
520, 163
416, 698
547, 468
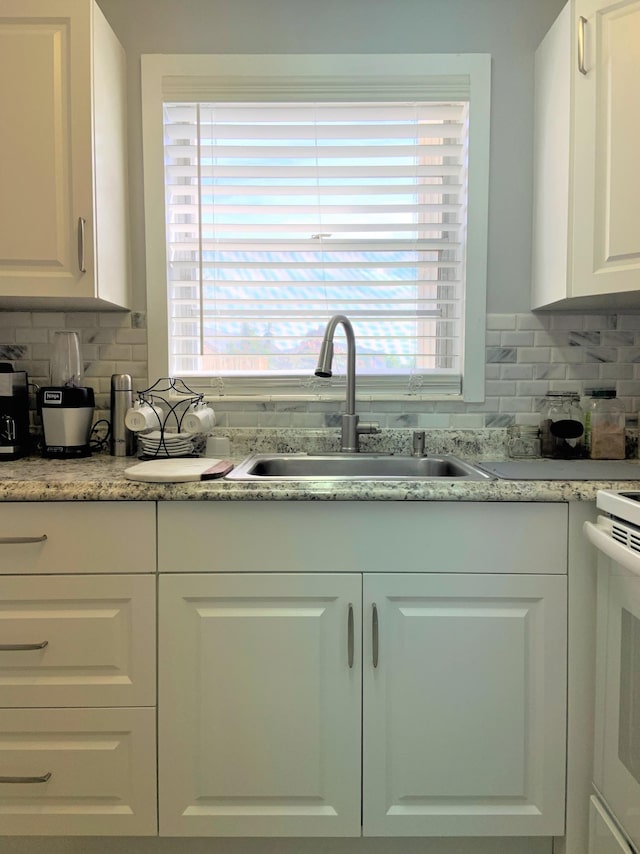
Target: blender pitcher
66, 366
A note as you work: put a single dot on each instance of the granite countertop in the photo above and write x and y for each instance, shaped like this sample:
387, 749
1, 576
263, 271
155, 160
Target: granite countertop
101, 478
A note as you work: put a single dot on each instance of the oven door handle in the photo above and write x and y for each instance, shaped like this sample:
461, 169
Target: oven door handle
618, 553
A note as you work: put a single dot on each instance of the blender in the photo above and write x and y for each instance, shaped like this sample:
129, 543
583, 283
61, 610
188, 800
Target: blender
66, 406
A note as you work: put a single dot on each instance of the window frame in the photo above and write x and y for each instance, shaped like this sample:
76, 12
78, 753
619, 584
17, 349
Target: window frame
170, 77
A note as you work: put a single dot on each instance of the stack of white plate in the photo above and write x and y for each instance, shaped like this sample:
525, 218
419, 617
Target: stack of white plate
162, 444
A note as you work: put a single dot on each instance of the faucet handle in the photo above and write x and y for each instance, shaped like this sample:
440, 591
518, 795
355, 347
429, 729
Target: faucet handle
368, 427
418, 443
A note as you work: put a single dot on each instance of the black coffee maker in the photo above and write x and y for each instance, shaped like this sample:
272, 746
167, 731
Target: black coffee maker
14, 413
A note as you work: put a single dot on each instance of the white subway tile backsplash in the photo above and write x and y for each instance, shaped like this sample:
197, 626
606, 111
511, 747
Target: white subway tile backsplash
583, 372
534, 354
53, 319
567, 321
535, 388
120, 352
617, 339
543, 371
627, 389
569, 355
617, 371
557, 338
86, 320
31, 335
501, 321
517, 339
629, 354
130, 336
606, 321
532, 321
500, 388
467, 422
526, 355
114, 319
517, 404
629, 321
517, 372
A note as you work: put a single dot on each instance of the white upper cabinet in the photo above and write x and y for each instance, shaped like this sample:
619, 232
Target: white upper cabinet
586, 234
63, 164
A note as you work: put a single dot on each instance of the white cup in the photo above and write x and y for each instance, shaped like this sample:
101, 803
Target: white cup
218, 447
142, 417
198, 419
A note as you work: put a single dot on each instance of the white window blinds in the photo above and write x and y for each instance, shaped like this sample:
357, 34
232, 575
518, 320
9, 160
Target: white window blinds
280, 215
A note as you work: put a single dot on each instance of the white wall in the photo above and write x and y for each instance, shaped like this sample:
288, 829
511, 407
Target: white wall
509, 30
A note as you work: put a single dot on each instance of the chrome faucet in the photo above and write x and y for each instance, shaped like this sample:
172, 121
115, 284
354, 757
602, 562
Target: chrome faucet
351, 428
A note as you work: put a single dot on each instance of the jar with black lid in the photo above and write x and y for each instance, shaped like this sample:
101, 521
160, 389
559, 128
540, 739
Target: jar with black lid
562, 426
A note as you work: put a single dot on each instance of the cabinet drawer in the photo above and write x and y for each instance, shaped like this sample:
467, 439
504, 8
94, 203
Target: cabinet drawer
93, 771
63, 537
362, 536
81, 641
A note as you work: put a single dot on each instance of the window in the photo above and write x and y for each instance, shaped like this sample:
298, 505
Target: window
295, 195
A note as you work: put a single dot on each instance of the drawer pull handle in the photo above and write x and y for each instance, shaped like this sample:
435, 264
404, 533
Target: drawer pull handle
374, 633
350, 636
13, 540
12, 647
81, 263
581, 67
44, 779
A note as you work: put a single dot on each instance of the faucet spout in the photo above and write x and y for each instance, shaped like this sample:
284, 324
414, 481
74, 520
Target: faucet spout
326, 357
350, 427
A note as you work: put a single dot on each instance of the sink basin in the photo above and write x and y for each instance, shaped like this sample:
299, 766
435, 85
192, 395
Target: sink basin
304, 467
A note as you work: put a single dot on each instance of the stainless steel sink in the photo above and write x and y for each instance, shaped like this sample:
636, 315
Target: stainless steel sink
340, 466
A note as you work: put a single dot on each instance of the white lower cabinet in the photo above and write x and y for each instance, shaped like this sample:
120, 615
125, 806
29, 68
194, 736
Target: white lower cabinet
463, 704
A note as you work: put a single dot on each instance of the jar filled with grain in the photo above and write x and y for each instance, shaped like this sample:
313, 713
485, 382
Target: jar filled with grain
605, 426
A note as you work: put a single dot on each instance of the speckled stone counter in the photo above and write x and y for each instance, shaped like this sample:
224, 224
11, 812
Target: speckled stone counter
101, 478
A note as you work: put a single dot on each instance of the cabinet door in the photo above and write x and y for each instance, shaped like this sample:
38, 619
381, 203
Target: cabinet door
45, 168
464, 714
606, 178
259, 705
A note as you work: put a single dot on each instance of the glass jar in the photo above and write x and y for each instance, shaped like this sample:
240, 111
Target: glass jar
523, 441
562, 426
605, 421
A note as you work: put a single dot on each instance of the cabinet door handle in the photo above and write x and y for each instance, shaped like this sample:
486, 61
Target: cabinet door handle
13, 647
81, 225
43, 779
13, 540
581, 22
374, 635
350, 636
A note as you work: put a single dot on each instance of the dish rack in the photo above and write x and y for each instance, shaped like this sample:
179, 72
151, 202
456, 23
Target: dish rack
170, 399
